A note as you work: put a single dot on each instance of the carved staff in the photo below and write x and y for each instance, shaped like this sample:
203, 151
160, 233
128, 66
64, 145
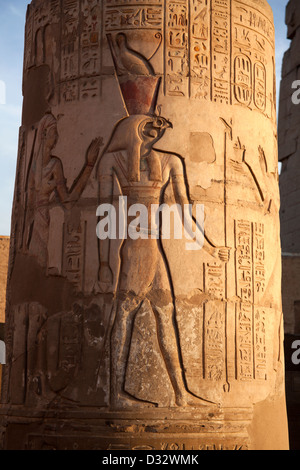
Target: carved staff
227, 134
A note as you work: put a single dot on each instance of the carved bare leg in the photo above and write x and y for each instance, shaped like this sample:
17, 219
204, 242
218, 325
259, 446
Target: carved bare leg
120, 344
169, 345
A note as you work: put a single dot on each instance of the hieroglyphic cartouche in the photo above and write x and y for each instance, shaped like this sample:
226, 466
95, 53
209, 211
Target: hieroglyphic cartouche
213, 50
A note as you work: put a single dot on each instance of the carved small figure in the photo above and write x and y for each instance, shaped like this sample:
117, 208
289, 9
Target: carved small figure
45, 177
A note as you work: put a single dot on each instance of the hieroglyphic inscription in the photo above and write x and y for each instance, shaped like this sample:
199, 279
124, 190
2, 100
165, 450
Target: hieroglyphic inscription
244, 341
28, 51
140, 14
251, 358
187, 49
70, 341
36, 25
90, 53
81, 50
252, 20
251, 342
221, 51
259, 86
250, 282
54, 8
260, 345
70, 43
250, 260
90, 87
200, 49
90, 38
42, 13
177, 48
214, 340
244, 265
252, 33
109, 442
198, 54
69, 91
259, 259
199, 58
73, 256
204, 446
214, 280
243, 79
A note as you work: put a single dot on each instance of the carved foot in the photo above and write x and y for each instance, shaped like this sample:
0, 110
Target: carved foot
187, 399
125, 402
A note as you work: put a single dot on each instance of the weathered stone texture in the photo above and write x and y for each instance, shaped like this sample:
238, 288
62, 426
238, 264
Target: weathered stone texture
288, 135
289, 154
291, 312
4, 252
141, 343
290, 293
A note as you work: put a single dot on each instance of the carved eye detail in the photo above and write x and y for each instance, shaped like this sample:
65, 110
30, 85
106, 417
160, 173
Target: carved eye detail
159, 122
149, 130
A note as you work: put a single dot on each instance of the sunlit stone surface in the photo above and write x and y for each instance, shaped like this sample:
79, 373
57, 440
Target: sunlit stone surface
142, 343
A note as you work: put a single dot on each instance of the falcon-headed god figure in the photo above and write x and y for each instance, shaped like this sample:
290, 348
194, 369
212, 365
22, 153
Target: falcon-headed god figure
143, 173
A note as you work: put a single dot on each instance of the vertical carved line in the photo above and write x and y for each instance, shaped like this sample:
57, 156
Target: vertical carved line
236, 340
189, 11
230, 52
84, 255
225, 267
253, 342
79, 48
27, 313
164, 26
236, 293
80, 15
252, 262
62, 249
203, 340
226, 339
60, 38
59, 343
235, 258
101, 19
211, 49
253, 297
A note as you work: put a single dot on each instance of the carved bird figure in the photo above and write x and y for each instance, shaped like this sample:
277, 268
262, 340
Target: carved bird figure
127, 60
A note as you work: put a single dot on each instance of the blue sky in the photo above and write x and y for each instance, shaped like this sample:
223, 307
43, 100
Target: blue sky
12, 21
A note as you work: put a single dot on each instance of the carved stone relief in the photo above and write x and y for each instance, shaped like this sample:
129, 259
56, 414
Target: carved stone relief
148, 102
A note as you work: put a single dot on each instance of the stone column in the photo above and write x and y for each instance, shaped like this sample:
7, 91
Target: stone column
288, 138
140, 341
